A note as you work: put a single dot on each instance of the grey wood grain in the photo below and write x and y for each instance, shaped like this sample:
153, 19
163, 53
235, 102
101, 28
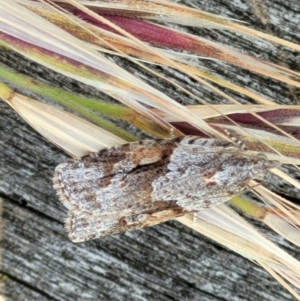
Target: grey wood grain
165, 262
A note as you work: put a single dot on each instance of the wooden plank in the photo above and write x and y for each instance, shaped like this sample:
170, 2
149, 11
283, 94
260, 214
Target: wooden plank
166, 262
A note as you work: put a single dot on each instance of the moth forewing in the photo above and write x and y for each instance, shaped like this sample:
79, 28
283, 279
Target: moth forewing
144, 183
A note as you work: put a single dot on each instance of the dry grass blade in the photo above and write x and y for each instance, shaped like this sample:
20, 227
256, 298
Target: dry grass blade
279, 223
74, 135
188, 42
106, 41
243, 239
280, 215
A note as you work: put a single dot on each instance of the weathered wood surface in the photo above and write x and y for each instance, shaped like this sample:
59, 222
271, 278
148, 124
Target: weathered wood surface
166, 262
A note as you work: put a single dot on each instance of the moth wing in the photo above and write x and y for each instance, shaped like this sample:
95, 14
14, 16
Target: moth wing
118, 189
81, 181
84, 226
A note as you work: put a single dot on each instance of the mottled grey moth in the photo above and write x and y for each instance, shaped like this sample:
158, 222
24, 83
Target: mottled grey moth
148, 182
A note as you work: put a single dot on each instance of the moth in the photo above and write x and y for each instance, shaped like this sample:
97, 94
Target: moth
144, 183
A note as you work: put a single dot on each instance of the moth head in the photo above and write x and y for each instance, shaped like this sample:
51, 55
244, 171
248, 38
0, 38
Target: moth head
237, 171
261, 167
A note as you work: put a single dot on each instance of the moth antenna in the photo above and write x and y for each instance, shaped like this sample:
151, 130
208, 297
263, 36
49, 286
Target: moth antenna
237, 141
